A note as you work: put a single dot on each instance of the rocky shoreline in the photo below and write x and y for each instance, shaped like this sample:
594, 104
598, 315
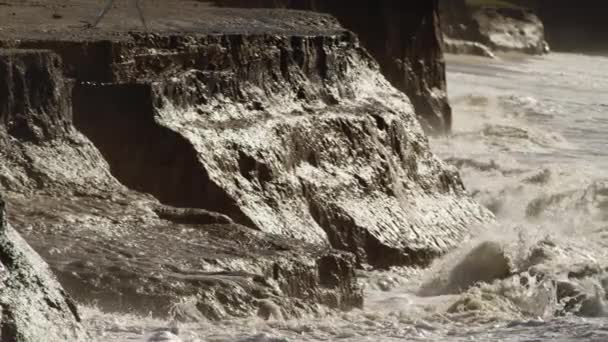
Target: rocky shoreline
224, 158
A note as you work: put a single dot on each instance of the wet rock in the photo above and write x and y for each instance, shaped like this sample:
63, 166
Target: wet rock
569, 295
404, 37
285, 128
134, 254
503, 29
328, 160
34, 107
585, 301
572, 28
193, 272
34, 306
512, 29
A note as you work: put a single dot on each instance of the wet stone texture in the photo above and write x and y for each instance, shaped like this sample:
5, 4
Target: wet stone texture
502, 29
204, 174
33, 305
403, 36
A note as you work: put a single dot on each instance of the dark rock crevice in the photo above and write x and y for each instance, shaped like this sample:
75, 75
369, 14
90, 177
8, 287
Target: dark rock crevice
494, 27
575, 27
143, 155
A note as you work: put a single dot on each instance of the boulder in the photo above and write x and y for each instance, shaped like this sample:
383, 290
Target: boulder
504, 29
34, 306
512, 29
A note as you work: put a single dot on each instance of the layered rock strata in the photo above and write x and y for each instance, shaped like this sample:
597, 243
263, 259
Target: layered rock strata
203, 172
572, 27
503, 29
122, 250
403, 36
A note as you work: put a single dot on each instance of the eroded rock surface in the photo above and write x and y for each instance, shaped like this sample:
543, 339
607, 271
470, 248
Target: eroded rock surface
122, 250
33, 305
568, 27
121, 257
281, 157
403, 36
504, 29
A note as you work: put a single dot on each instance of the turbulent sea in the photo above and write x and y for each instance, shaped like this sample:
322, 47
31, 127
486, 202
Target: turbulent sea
531, 141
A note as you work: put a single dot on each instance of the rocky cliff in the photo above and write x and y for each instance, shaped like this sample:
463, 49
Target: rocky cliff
255, 155
130, 252
504, 28
573, 26
403, 36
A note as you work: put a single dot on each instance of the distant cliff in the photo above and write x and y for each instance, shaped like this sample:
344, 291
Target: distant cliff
573, 25
226, 156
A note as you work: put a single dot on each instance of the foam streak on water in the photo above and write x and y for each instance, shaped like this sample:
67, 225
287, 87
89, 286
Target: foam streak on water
531, 141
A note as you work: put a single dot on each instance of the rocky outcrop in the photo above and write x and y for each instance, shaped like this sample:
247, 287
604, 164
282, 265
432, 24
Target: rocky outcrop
512, 29
34, 306
281, 157
572, 27
130, 252
403, 36
502, 29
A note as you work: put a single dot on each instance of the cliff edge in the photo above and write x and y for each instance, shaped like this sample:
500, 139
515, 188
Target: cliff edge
223, 158
404, 38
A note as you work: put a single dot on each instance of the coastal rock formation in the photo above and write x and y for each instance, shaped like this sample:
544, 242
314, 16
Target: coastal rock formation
512, 29
503, 29
34, 306
403, 36
572, 27
255, 155
128, 251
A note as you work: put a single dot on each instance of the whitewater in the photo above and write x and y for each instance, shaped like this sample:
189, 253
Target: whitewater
530, 139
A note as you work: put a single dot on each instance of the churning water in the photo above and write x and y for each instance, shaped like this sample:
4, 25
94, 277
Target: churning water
531, 141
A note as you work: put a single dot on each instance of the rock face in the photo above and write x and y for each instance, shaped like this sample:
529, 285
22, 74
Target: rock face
501, 29
128, 251
403, 36
281, 157
511, 29
34, 306
569, 27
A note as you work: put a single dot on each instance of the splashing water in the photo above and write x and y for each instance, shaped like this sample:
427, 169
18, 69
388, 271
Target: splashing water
530, 142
